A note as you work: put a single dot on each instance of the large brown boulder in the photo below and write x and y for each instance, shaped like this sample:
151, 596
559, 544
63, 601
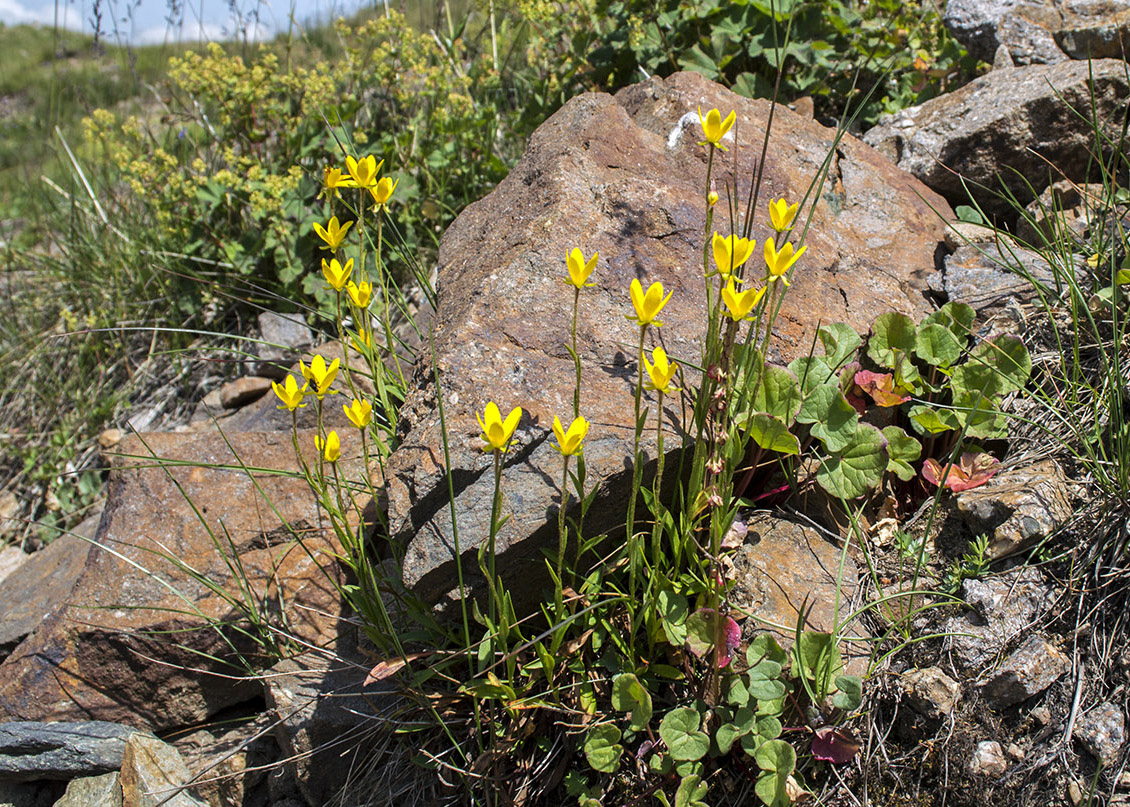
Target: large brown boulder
136, 640
623, 176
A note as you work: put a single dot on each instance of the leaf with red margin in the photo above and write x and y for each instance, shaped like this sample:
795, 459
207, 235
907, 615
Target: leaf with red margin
703, 627
974, 469
881, 388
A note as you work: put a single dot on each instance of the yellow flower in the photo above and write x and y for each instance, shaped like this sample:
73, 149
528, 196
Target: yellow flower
740, 303
712, 198
569, 442
321, 375
362, 341
335, 273
731, 252
330, 447
364, 171
497, 433
647, 305
382, 191
359, 413
360, 293
333, 233
290, 393
334, 180
660, 371
781, 214
779, 263
579, 268
714, 128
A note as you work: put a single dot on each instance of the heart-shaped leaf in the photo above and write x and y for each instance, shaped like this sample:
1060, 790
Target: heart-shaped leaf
840, 342
777, 760
957, 318
810, 372
833, 419
937, 345
691, 792
850, 694
629, 695
771, 434
679, 729
902, 449
858, 467
603, 749
778, 394
891, 333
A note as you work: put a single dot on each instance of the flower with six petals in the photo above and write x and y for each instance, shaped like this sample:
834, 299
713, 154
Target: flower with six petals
579, 268
740, 303
360, 293
364, 171
330, 447
781, 214
647, 305
335, 273
569, 442
731, 252
496, 432
714, 128
290, 393
660, 371
359, 413
320, 374
333, 233
779, 263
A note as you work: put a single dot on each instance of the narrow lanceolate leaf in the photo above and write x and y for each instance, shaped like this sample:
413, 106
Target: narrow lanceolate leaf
859, 467
902, 449
890, 333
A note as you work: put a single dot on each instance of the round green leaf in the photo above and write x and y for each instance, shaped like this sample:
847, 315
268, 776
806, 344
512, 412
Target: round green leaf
858, 468
810, 372
840, 342
850, 694
937, 346
890, 333
776, 756
629, 695
771, 433
679, 729
833, 419
1008, 357
603, 749
956, 317
902, 449
765, 648
778, 394
691, 792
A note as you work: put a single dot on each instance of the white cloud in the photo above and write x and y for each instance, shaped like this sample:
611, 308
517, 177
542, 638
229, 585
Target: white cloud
192, 31
13, 12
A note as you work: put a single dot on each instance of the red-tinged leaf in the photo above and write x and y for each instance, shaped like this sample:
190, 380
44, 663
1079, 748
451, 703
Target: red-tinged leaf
974, 469
834, 745
703, 629
881, 388
390, 667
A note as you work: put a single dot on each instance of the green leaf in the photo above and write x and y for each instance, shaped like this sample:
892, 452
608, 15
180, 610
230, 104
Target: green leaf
698, 62
778, 760
679, 729
778, 394
1008, 357
769, 728
673, 609
927, 420
890, 332
629, 695
858, 468
850, 694
969, 214
817, 658
840, 342
691, 792
937, 345
957, 318
765, 648
771, 434
811, 372
765, 681
902, 449
603, 749
737, 694
833, 419
979, 416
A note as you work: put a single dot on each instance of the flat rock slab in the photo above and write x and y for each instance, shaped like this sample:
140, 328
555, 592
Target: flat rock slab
30, 751
93, 791
44, 581
155, 775
133, 642
1032, 668
1012, 126
622, 176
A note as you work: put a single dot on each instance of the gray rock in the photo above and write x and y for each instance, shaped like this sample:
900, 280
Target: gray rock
976, 23
227, 762
154, 775
44, 581
1103, 732
930, 692
988, 276
987, 131
1032, 668
988, 759
1028, 42
34, 794
11, 558
284, 337
1018, 507
962, 233
31, 751
93, 791
1099, 35
1002, 607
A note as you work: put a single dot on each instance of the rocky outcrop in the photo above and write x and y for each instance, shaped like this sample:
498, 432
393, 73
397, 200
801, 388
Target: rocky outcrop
1014, 127
622, 176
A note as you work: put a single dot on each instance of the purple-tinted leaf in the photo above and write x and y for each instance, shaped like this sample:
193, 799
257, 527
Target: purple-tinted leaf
834, 745
702, 630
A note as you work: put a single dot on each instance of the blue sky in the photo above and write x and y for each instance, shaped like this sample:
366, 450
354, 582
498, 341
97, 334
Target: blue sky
146, 21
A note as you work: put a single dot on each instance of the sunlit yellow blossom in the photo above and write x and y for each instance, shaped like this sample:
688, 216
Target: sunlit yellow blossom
382, 191
360, 293
579, 268
334, 180
660, 371
335, 273
779, 263
647, 305
290, 393
731, 252
712, 198
714, 128
496, 433
569, 442
330, 447
740, 303
359, 413
364, 171
781, 214
333, 233
320, 374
